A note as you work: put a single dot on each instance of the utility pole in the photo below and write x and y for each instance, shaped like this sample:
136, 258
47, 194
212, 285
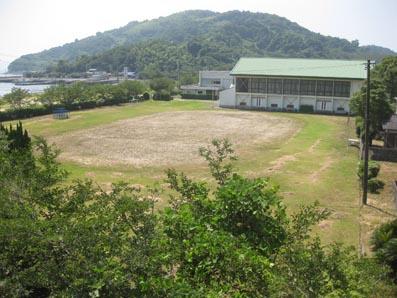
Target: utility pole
179, 75
366, 136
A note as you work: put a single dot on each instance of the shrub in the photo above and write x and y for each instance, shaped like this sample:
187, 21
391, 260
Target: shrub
373, 169
162, 95
306, 109
198, 96
374, 185
146, 96
384, 244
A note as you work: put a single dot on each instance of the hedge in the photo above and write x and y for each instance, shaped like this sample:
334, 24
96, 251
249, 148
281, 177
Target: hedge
29, 112
198, 96
162, 96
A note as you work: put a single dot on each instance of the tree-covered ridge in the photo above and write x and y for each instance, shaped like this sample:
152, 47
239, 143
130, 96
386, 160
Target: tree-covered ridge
218, 38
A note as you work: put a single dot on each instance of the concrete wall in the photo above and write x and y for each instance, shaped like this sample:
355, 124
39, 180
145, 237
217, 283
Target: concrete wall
227, 98
207, 78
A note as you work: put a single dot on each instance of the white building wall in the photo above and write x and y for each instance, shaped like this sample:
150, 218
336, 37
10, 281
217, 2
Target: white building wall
208, 79
227, 98
308, 100
340, 104
291, 100
275, 102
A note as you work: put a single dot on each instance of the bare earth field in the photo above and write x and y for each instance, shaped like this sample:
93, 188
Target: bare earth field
169, 138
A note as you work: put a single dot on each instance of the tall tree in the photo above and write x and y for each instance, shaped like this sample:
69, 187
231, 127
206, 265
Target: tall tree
386, 71
380, 108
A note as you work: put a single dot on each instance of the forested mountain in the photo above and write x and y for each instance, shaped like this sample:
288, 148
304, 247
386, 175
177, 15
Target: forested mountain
197, 39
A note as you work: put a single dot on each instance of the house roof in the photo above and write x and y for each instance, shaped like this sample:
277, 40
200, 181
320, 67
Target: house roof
294, 67
216, 74
391, 124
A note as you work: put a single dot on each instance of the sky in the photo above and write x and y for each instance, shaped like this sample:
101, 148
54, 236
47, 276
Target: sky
28, 26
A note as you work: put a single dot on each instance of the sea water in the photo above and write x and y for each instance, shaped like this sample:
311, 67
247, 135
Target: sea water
7, 87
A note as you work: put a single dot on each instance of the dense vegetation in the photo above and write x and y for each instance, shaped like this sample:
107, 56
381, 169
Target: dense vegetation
198, 40
234, 240
384, 244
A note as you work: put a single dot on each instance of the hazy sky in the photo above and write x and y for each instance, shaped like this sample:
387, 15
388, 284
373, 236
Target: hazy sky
28, 26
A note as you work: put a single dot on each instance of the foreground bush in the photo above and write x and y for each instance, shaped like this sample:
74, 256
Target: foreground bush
384, 244
234, 240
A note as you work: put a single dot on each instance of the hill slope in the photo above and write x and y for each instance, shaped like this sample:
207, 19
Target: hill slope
218, 38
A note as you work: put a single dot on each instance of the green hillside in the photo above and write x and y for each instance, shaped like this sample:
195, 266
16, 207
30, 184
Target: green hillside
196, 39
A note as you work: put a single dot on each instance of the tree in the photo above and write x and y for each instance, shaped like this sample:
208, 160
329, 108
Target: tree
16, 97
380, 109
386, 71
133, 88
162, 84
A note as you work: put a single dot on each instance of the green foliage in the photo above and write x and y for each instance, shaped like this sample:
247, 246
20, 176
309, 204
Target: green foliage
374, 185
162, 87
17, 137
162, 95
380, 108
373, 169
219, 158
162, 84
15, 97
384, 244
237, 240
386, 71
195, 39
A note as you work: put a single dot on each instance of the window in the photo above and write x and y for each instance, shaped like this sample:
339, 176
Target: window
258, 85
291, 87
342, 89
216, 82
275, 86
325, 88
200, 92
274, 105
308, 87
242, 85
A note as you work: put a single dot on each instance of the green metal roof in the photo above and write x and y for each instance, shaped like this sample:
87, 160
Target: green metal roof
294, 67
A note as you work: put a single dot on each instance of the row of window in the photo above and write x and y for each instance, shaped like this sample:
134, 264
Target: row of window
293, 87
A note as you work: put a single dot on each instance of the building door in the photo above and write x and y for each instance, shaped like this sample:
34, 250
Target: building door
323, 105
259, 102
